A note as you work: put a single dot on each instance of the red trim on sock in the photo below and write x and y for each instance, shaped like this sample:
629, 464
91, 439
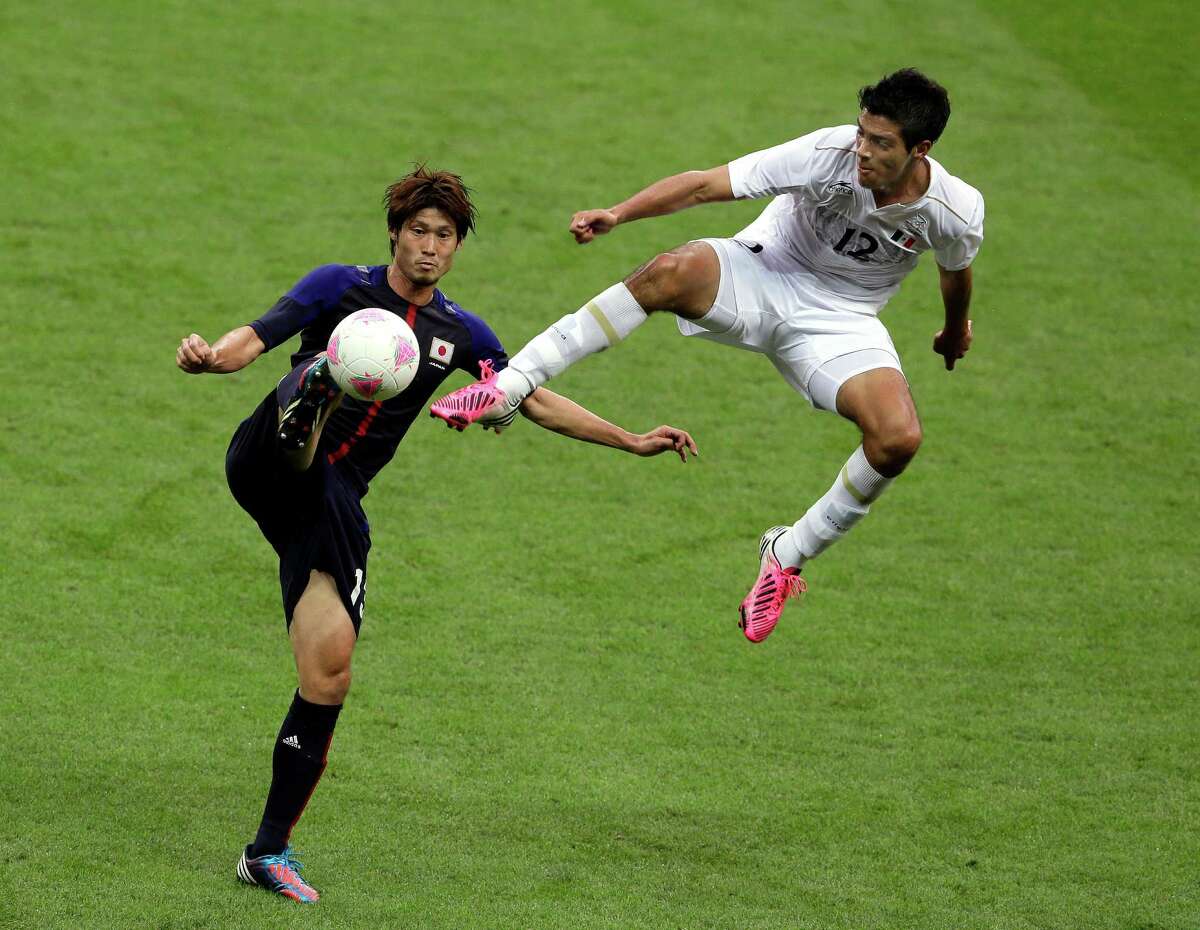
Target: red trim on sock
287, 837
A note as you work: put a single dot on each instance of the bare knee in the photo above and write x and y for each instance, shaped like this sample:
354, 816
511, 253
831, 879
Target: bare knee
324, 670
890, 448
657, 283
328, 684
682, 281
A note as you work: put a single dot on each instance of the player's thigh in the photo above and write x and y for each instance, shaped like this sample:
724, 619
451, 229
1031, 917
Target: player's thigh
880, 402
322, 635
683, 281
746, 308
819, 348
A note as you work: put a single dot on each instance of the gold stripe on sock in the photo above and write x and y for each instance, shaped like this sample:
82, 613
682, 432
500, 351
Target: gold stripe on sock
609, 333
855, 492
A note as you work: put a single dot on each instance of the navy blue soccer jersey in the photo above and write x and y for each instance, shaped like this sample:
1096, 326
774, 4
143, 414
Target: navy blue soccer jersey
361, 437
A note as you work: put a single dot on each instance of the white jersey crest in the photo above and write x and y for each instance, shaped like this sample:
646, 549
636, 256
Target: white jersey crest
827, 222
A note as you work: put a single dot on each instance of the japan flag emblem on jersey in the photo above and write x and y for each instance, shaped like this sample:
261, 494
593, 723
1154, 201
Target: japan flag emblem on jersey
441, 351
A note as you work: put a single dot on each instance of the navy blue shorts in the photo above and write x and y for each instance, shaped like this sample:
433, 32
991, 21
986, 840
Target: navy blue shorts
313, 519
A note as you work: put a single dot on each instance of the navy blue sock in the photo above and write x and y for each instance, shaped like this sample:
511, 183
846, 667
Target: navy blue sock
296, 766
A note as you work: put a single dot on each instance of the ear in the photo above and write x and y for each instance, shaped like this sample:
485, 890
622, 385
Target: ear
921, 149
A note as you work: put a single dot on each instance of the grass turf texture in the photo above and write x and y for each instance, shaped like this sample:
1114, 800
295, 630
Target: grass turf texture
983, 717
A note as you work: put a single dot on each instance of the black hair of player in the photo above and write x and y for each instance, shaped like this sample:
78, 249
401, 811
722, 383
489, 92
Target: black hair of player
422, 188
920, 105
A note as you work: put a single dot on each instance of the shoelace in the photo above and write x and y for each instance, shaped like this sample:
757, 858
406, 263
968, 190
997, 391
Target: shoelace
289, 863
795, 584
469, 399
784, 585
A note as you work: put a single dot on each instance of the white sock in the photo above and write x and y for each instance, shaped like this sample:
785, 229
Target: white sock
832, 517
601, 322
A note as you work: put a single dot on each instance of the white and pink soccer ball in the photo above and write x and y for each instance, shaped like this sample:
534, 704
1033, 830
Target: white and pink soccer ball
373, 354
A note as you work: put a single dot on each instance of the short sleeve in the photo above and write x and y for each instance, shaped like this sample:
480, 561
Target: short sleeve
791, 166
301, 306
959, 252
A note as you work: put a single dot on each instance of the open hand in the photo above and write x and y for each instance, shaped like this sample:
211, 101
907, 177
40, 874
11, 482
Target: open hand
665, 439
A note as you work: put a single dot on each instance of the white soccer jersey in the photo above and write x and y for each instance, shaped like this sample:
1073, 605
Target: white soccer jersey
828, 222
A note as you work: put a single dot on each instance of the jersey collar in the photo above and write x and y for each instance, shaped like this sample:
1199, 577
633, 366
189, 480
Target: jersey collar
911, 206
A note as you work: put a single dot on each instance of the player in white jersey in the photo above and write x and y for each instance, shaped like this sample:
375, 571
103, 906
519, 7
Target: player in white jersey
854, 208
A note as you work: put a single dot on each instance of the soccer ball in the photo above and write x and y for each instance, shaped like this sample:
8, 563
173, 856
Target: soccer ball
373, 354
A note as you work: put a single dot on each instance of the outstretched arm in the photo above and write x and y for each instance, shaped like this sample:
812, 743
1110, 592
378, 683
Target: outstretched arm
561, 415
954, 339
232, 352
669, 195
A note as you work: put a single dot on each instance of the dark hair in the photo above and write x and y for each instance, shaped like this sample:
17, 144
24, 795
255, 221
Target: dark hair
919, 104
422, 188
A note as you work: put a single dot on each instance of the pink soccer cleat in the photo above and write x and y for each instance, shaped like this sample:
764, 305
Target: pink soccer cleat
463, 407
761, 608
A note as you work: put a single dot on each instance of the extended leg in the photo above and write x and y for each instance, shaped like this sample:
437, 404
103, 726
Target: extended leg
683, 281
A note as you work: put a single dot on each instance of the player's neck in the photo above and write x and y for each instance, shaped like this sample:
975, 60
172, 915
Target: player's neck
910, 186
419, 294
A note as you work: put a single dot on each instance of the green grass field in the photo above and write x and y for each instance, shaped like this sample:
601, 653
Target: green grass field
985, 714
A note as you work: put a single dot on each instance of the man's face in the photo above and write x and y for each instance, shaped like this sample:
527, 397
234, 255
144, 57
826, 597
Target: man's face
425, 247
883, 158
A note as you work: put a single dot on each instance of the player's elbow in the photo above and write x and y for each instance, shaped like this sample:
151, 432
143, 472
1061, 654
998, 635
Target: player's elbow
712, 186
702, 192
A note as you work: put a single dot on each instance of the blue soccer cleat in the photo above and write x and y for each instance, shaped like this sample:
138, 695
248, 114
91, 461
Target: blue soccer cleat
280, 874
316, 391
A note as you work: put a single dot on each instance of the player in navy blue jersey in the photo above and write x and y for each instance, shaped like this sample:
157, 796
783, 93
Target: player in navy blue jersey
301, 463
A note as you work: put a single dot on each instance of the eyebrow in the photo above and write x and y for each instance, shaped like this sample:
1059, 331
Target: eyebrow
873, 135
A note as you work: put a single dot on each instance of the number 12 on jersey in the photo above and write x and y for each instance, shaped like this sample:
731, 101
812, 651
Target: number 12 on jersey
866, 244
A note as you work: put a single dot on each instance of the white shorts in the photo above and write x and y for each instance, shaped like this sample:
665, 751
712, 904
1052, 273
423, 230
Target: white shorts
768, 304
